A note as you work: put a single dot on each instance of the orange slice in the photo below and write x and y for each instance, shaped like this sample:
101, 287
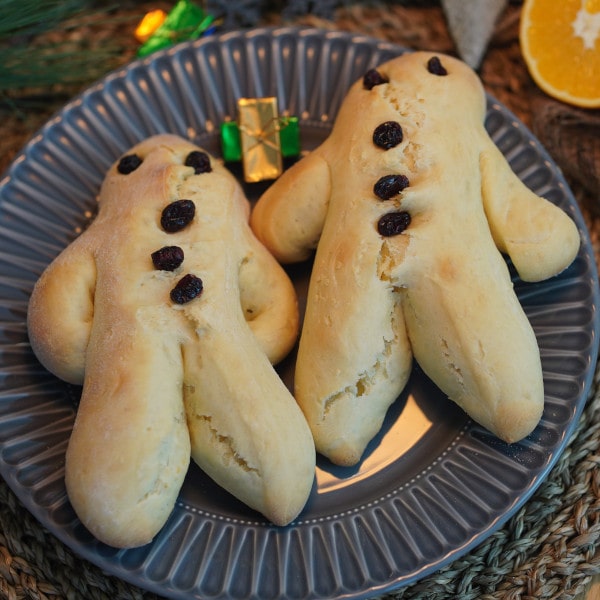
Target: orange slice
560, 42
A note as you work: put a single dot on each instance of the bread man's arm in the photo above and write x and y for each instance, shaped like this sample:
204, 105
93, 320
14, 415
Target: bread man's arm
540, 238
268, 301
289, 220
60, 313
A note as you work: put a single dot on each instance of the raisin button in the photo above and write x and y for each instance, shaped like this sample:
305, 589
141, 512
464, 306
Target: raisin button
177, 215
167, 258
187, 288
388, 135
389, 186
393, 223
199, 160
435, 66
372, 78
128, 164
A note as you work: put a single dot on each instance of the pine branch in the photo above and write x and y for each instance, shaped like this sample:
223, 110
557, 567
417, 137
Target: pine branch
26, 17
45, 43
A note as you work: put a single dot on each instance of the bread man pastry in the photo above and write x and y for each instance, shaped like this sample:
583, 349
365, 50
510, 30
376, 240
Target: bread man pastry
410, 206
168, 311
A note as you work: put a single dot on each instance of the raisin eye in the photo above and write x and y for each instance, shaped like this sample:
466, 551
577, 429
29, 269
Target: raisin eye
388, 135
187, 288
372, 78
393, 223
177, 215
199, 160
389, 186
435, 66
128, 164
167, 258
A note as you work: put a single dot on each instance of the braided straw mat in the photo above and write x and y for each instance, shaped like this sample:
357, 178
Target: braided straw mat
548, 549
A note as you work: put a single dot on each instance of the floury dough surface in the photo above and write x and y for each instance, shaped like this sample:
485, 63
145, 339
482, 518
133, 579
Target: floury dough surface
440, 289
162, 379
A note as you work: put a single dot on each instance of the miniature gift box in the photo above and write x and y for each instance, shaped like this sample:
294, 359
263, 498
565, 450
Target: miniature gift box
260, 138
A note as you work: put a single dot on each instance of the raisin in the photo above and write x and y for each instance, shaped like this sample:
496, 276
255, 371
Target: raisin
128, 164
393, 223
389, 186
435, 66
167, 258
372, 78
187, 288
177, 215
388, 135
199, 160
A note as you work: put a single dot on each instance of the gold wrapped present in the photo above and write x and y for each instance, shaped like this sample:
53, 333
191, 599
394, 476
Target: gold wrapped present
260, 138
259, 126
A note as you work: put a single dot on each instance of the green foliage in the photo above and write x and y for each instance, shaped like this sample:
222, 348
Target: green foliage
46, 43
31, 17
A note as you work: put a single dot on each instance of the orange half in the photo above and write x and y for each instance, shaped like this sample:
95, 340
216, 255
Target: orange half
560, 42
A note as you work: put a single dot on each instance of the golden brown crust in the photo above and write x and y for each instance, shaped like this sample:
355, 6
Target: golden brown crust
102, 314
440, 290
307, 186
60, 314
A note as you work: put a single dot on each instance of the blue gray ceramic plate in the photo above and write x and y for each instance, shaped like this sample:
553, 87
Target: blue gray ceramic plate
432, 484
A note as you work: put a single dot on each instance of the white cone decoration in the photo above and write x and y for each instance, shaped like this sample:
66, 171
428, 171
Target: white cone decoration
471, 24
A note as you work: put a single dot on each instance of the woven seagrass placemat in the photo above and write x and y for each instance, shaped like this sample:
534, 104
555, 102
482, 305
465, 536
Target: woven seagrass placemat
549, 549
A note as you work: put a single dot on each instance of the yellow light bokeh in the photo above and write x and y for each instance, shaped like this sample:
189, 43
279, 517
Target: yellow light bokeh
149, 24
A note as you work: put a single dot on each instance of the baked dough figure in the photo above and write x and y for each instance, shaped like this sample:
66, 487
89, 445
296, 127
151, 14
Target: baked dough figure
159, 372
411, 205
